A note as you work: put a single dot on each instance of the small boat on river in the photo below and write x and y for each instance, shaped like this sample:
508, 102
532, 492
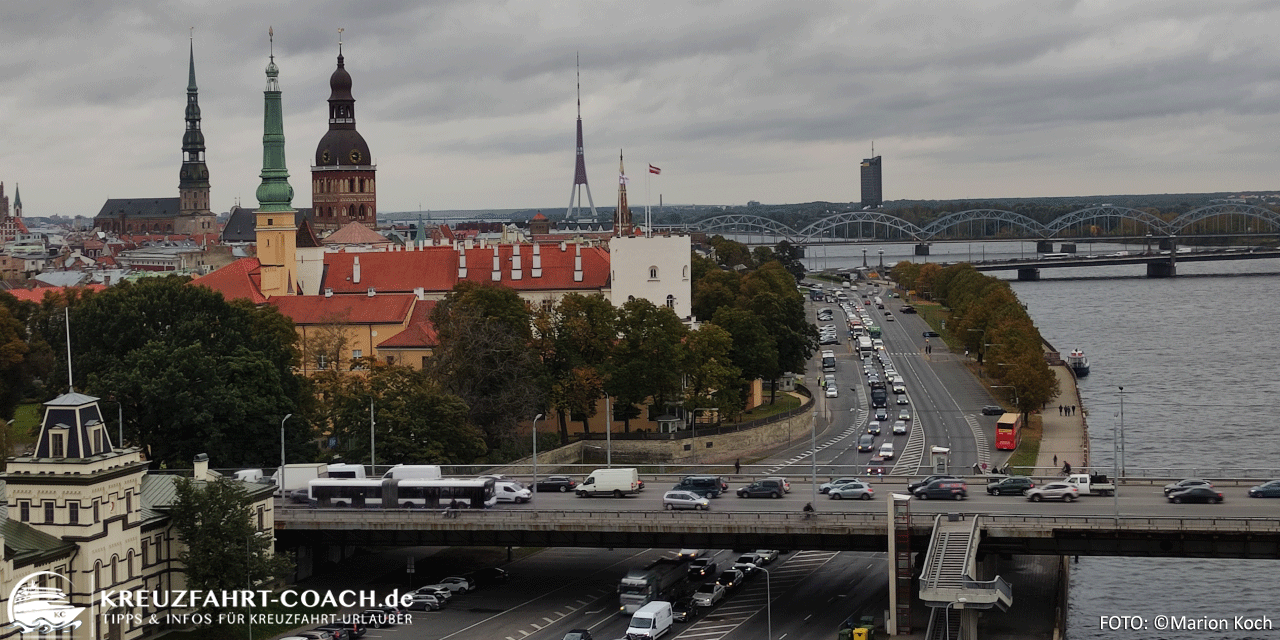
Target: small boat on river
1078, 363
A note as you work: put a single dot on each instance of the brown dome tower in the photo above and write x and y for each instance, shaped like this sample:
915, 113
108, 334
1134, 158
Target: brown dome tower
343, 178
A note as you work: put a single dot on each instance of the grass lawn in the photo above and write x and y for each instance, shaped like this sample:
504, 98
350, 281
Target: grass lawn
784, 403
1029, 448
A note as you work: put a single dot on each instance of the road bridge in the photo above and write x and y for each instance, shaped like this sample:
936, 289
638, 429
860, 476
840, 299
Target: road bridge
1159, 265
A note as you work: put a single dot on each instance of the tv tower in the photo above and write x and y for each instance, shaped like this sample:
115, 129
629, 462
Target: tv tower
580, 171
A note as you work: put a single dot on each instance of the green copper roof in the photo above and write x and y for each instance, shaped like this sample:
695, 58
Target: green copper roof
191, 76
274, 194
17, 198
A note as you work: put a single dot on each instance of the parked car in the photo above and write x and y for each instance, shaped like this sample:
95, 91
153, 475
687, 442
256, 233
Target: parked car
353, 629
701, 568
424, 602
941, 489
731, 578
911, 488
1063, 491
562, 484
767, 488
672, 500
442, 593
708, 594
1196, 494
1270, 489
456, 584
337, 633
486, 575
993, 410
381, 617
1186, 484
859, 490
1010, 486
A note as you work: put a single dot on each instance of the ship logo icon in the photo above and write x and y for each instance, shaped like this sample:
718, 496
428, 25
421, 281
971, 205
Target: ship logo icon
42, 609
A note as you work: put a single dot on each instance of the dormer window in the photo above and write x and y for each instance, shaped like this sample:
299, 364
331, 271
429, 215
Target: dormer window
58, 445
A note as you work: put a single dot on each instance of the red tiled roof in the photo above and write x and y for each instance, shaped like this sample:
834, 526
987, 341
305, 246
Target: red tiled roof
107, 261
240, 279
37, 295
355, 233
420, 334
557, 267
432, 268
379, 309
539, 216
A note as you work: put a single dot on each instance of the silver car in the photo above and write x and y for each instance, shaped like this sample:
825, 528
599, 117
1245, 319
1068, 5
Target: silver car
851, 490
672, 500
1054, 491
825, 487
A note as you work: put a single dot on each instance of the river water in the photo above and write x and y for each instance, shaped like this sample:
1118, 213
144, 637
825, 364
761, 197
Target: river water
1196, 356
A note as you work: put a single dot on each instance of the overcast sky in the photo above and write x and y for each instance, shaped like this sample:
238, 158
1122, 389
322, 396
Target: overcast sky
471, 105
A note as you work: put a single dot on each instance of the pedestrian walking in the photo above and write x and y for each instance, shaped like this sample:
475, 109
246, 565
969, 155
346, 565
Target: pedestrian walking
1055, 459
1059, 409
737, 467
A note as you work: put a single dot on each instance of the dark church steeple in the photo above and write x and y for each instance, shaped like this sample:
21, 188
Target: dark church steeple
343, 178
193, 182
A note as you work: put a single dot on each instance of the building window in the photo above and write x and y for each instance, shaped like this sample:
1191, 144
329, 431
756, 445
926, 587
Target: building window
425, 361
262, 518
57, 447
686, 272
391, 360
357, 353
95, 512
671, 302
146, 553
73, 513
128, 504
24, 510
48, 512
321, 362
97, 440
653, 273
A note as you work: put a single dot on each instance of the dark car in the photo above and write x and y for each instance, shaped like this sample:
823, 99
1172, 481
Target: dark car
943, 489
683, 610
486, 576
335, 632
1269, 489
993, 410
906, 308
1011, 486
911, 488
1186, 484
381, 617
352, 628
300, 496
866, 442
563, 484
1196, 494
578, 634
930, 334
701, 568
768, 488
703, 486
731, 578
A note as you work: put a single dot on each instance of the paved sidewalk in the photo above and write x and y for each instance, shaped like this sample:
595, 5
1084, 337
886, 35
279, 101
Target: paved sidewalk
1065, 438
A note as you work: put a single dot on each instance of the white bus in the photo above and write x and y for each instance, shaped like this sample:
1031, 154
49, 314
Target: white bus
391, 493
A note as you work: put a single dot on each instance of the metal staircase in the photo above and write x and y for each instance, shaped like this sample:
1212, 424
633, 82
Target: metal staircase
950, 564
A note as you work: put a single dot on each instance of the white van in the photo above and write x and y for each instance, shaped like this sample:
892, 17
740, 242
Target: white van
511, 492
342, 470
651, 621
886, 451
413, 471
614, 482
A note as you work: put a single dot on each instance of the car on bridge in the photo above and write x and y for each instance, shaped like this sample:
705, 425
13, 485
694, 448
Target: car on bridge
1270, 489
951, 488
1186, 484
851, 490
906, 308
1010, 486
1054, 491
1196, 494
826, 486
930, 334
911, 488
562, 484
673, 500
767, 488
578, 634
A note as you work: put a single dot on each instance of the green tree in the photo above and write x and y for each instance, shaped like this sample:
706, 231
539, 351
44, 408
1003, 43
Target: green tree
713, 381
730, 254
224, 549
485, 357
754, 351
645, 363
718, 288
575, 340
194, 373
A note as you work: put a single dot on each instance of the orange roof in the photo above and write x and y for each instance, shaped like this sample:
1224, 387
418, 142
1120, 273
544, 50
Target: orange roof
432, 268
240, 279
557, 267
379, 309
539, 216
420, 334
355, 233
37, 295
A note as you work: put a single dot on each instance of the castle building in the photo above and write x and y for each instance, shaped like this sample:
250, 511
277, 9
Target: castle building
343, 178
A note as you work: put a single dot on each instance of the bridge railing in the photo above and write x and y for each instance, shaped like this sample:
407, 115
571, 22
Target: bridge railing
997, 587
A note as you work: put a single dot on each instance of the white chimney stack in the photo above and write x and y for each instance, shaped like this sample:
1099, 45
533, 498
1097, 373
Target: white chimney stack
577, 263
497, 265
536, 271
355, 270
201, 471
516, 271
462, 263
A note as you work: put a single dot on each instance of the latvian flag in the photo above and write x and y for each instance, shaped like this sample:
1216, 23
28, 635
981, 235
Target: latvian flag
654, 170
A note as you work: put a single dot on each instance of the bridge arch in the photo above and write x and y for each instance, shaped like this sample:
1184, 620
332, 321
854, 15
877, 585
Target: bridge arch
1110, 217
739, 223
1226, 217
951, 220
816, 232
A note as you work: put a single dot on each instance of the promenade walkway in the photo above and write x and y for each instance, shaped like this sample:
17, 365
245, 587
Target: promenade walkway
1065, 438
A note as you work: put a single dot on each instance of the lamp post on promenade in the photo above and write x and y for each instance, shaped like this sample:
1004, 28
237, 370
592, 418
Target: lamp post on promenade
535, 452
286, 418
768, 598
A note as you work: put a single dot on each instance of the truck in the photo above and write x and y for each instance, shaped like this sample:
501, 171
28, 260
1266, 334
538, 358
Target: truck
610, 482
413, 472
879, 395
1092, 483
296, 476
643, 585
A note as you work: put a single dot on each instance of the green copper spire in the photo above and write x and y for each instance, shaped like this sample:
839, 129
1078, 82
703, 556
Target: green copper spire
274, 194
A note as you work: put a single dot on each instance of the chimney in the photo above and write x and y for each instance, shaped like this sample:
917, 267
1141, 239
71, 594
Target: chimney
328, 292
462, 264
562, 245
497, 265
577, 263
201, 471
420, 293
516, 271
355, 270
536, 272
372, 292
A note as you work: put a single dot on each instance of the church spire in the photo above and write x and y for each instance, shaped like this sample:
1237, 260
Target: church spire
193, 177
622, 215
17, 202
274, 194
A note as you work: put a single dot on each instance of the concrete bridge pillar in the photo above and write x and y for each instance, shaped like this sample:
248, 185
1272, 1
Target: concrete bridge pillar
1033, 274
1161, 269
922, 249
1044, 246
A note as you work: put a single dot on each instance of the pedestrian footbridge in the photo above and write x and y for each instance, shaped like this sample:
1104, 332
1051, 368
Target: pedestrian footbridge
948, 581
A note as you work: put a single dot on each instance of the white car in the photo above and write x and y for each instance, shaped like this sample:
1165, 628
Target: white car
886, 451
455, 584
832, 392
708, 594
511, 492
766, 555
899, 388
900, 428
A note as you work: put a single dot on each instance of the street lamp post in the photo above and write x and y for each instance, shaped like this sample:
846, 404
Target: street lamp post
768, 598
608, 431
286, 418
535, 452
1122, 429
373, 461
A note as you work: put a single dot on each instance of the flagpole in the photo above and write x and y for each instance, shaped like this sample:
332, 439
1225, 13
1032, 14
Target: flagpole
648, 200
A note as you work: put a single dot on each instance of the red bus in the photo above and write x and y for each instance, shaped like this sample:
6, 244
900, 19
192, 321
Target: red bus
1009, 431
